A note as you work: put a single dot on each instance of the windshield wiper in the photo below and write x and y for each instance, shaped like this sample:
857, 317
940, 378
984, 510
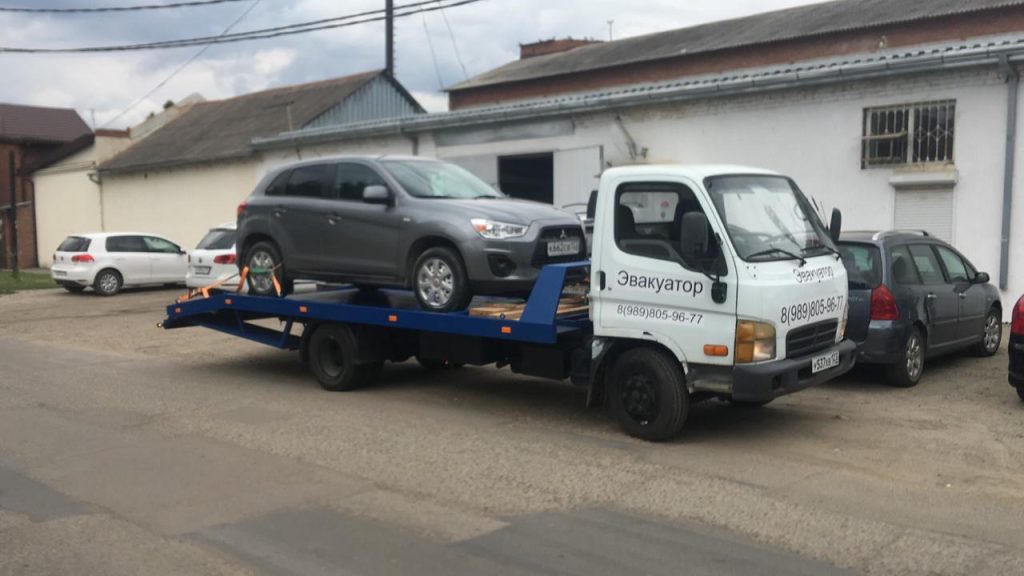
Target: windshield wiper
826, 248
774, 250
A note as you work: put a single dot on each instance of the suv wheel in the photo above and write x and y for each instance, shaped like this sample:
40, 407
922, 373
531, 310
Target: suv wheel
108, 282
906, 372
439, 281
265, 264
992, 337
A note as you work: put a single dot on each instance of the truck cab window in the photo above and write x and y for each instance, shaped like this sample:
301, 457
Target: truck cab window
649, 222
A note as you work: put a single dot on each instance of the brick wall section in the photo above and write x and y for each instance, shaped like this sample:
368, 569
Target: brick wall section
1003, 21
545, 47
26, 214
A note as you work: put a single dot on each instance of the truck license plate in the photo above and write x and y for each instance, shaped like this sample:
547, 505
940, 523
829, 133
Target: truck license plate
564, 247
830, 360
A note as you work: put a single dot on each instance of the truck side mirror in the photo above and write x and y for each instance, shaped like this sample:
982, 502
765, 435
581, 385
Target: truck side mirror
592, 205
695, 237
376, 194
836, 226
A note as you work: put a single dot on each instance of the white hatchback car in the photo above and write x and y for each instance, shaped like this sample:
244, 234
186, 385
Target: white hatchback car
110, 261
214, 259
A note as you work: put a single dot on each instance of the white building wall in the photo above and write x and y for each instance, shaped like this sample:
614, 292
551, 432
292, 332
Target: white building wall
181, 204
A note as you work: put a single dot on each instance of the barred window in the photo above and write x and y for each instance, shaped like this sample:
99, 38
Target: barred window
909, 134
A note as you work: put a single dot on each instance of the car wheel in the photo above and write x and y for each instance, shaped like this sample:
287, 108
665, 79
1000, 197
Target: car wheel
992, 337
332, 359
108, 282
265, 264
648, 396
907, 371
73, 288
439, 281
1020, 392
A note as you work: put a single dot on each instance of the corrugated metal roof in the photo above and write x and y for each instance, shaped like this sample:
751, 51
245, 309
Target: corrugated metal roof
37, 124
794, 23
911, 60
224, 129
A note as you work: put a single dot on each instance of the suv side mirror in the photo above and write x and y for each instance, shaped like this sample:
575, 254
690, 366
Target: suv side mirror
835, 227
982, 278
376, 195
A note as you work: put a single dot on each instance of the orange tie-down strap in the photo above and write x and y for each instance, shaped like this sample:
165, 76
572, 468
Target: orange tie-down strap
242, 277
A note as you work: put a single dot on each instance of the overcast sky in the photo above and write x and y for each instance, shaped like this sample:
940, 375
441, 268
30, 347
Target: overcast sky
486, 35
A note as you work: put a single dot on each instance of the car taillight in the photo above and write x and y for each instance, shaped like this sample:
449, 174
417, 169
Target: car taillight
224, 259
883, 305
1017, 322
241, 209
82, 258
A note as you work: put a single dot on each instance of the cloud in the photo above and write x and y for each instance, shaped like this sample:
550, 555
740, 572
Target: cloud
431, 49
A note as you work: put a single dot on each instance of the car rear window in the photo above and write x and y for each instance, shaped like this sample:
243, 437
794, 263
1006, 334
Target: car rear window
74, 244
217, 239
863, 264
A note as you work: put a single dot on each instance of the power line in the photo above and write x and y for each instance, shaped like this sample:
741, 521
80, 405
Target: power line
113, 8
178, 70
292, 29
454, 45
433, 55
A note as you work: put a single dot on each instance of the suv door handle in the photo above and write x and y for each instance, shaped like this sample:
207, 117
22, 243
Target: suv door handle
931, 297
333, 219
962, 295
278, 212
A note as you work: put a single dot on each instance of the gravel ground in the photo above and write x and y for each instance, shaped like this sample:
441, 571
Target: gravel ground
928, 480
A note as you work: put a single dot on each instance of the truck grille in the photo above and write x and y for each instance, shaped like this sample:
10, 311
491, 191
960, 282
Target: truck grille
810, 339
540, 253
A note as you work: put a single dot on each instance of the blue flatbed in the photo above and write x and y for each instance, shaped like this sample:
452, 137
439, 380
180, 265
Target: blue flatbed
234, 314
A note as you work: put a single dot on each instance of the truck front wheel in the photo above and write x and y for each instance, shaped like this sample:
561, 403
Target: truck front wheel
648, 394
333, 356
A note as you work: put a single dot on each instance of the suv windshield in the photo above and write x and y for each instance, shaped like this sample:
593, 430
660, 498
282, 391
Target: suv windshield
425, 179
768, 218
217, 239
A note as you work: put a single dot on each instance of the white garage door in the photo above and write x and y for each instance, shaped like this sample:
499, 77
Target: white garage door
930, 210
577, 172
483, 167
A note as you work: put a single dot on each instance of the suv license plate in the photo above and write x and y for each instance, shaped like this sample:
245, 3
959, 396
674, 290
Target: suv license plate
564, 247
830, 360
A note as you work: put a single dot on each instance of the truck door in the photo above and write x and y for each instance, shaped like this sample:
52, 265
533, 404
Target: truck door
644, 287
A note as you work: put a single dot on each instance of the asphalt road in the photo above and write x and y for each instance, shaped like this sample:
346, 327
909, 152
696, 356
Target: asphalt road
129, 450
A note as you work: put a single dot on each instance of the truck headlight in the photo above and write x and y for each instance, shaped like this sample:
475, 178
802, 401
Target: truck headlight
755, 341
497, 230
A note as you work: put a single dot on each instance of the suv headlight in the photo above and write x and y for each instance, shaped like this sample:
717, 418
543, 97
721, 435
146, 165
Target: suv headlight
498, 230
755, 341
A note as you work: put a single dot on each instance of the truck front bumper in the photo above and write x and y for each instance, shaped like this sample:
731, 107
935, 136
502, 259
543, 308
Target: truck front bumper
763, 382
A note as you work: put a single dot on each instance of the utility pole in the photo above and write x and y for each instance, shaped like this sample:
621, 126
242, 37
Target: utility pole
14, 214
389, 33
610, 24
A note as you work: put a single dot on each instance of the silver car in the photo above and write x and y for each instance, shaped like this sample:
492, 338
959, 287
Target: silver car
403, 222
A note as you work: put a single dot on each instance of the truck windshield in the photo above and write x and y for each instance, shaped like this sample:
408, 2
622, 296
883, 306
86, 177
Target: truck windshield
768, 218
425, 179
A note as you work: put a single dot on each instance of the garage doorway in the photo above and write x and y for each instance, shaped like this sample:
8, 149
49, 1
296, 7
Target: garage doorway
530, 177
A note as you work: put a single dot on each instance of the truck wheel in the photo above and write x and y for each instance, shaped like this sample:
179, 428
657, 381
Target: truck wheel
265, 262
907, 371
440, 282
108, 282
648, 394
992, 337
332, 359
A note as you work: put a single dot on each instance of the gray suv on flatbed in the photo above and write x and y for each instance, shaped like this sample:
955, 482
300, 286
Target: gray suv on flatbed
402, 222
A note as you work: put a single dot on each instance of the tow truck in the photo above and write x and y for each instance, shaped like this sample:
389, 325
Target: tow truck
704, 282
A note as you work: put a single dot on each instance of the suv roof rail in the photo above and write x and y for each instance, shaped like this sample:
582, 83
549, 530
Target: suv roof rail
885, 233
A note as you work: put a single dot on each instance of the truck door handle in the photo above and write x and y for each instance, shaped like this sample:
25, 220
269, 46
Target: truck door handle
600, 279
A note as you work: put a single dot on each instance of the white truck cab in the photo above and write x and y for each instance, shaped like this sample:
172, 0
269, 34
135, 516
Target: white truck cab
727, 271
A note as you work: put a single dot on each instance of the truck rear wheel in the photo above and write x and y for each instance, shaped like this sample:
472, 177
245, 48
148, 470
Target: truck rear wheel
648, 394
333, 356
